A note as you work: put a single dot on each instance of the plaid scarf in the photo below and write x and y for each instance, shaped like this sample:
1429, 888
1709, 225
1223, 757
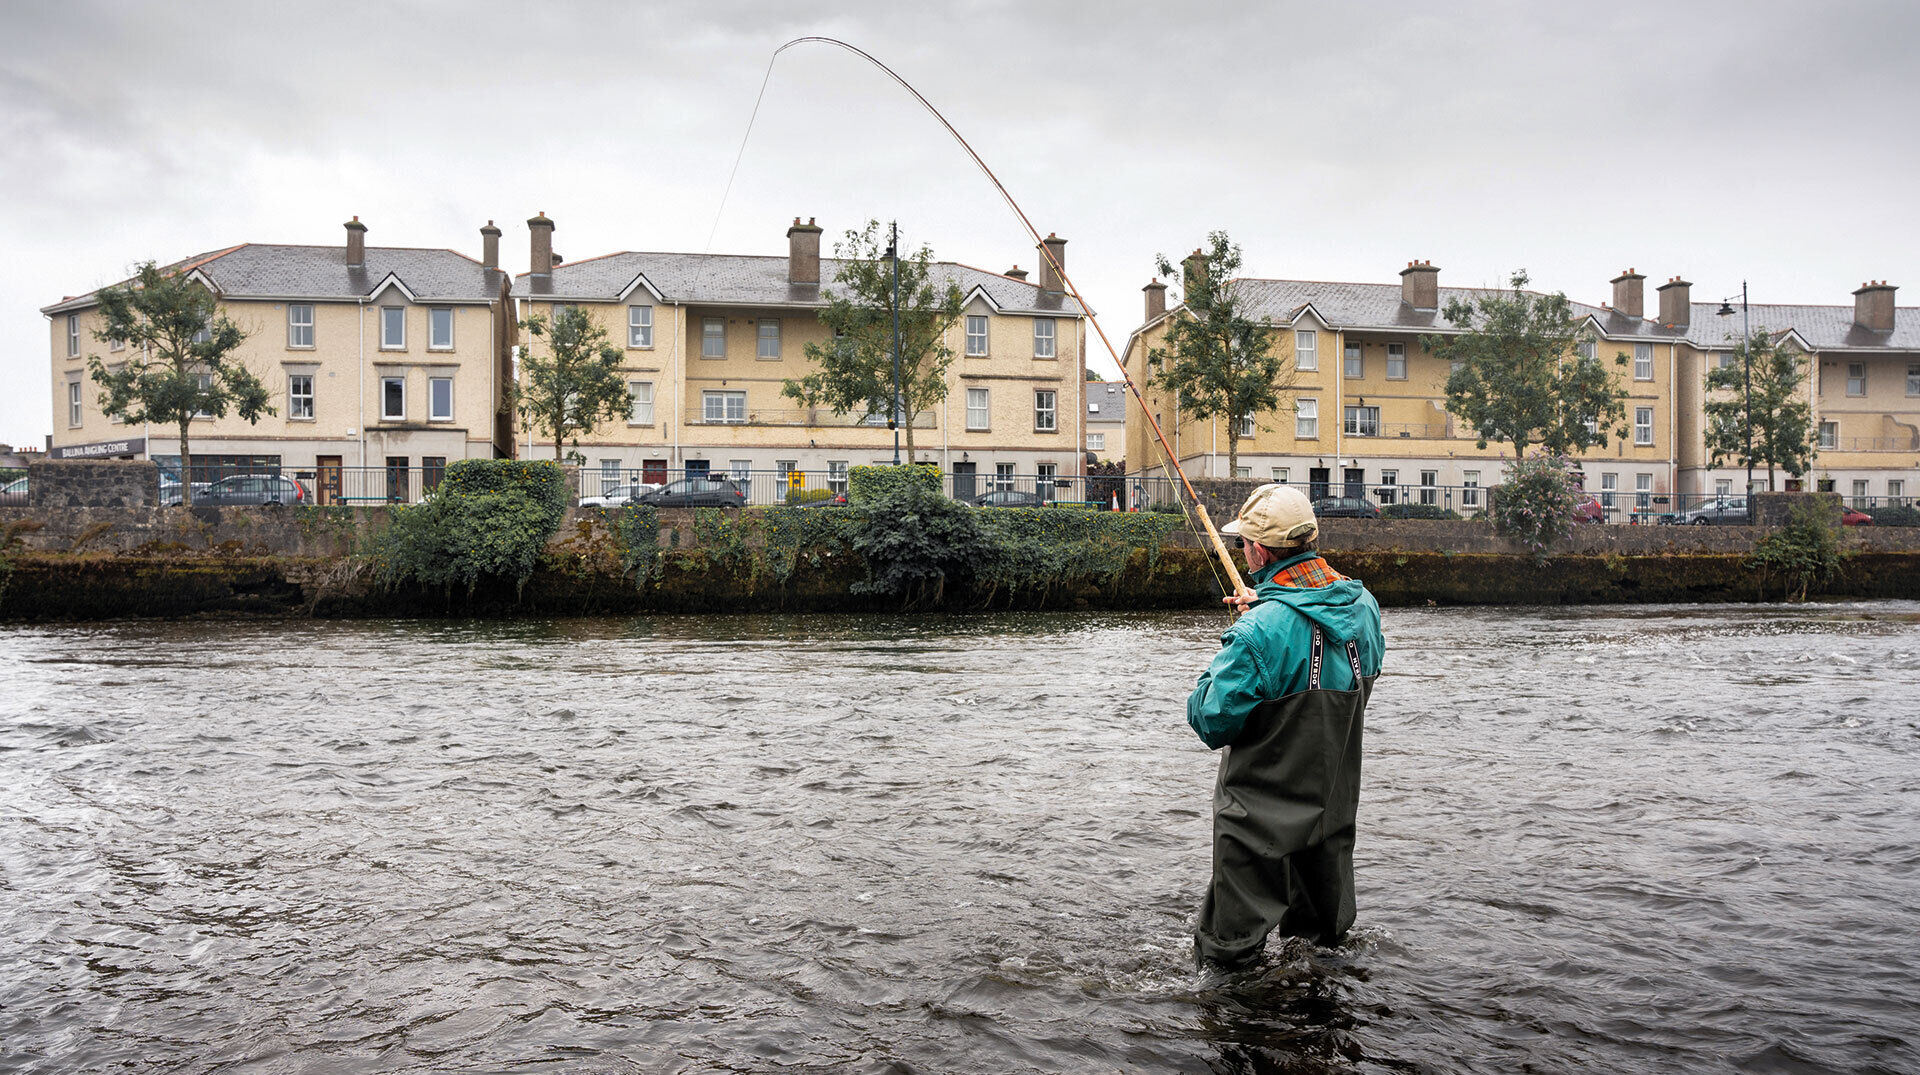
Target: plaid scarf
1307, 574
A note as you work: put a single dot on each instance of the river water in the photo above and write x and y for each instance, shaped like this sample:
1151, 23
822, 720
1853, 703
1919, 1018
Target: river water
1607, 839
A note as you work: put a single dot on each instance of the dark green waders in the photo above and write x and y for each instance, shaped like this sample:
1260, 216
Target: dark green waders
1283, 818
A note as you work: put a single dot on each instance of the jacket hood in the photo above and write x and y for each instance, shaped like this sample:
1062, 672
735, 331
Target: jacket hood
1338, 608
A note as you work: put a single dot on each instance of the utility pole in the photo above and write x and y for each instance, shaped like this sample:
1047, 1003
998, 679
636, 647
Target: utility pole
1746, 348
893, 407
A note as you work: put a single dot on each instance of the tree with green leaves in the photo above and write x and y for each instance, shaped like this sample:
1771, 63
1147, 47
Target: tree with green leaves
1519, 376
1775, 413
1216, 360
180, 363
576, 383
854, 369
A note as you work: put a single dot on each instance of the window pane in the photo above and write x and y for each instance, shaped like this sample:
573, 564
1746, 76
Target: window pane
713, 337
1356, 362
1643, 362
977, 408
393, 397
1043, 337
1643, 425
769, 338
642, 395
1306, 418
393, 327
440, 327
639, 326
1043, 416
299, 325
1306, 350
440, 398
976, 334
1397, 361
299, 395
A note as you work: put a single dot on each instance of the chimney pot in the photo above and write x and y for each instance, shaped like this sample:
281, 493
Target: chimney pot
1630, 294
1420, 285
540, 230
1156, 299
1873, 307
1016, 272
356, 243
1053, 263
1676, 302
803, 252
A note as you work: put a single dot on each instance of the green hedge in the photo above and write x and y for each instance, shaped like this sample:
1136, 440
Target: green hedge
540, 480
868, 484
1417, 511
1894, 515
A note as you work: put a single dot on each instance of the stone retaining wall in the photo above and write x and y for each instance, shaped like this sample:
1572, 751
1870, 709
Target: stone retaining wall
97, 483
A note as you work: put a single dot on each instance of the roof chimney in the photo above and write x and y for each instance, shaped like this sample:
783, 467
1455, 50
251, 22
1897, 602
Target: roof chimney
1676, 302
1053, 262
490, 246
1193, 270
541, 229
1156, 299
1630, 294
1420, 285
1873, 306
356, 243
1016, 272
803, 252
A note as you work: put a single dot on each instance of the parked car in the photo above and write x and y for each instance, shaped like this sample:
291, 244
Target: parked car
1589, 511
1721, 511
14, 492
270, 490
696, 493
1855, 517
1009, 498
832, 500
620, 496
1345, 507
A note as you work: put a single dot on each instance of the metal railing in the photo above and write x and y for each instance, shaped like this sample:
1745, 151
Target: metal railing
1907, 443
820, 417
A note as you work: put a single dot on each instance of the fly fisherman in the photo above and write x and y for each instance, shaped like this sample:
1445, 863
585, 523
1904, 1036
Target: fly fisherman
1285, 695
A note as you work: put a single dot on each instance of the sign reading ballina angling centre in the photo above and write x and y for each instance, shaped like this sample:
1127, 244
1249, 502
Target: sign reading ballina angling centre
102, 449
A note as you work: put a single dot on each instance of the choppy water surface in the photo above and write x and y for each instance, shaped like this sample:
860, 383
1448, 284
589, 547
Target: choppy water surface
1663, 839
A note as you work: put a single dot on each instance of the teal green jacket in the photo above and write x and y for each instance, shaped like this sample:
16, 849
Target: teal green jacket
1264, 655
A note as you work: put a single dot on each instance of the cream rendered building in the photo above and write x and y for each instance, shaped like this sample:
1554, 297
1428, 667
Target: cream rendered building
710, 338
384, 364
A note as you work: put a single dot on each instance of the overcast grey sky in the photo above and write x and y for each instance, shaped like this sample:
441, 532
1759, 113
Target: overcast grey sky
1764, 140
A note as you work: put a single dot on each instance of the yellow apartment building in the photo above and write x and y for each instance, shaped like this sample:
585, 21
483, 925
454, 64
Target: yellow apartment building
711, 338
385, 364
1367, 413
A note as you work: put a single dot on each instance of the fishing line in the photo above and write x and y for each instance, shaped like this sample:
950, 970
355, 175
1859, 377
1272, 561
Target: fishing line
1191, 507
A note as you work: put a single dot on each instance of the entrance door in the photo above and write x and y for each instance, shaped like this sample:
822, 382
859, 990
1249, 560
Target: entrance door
1317, 482
397, 484
654, 471
327, 480
963, 487
1356, 483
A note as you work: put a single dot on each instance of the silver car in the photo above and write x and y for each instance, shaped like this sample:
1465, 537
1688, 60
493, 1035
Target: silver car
620, 495
1722, 511
271, 490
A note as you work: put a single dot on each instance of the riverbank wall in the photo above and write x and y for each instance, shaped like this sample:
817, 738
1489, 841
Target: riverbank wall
90, 563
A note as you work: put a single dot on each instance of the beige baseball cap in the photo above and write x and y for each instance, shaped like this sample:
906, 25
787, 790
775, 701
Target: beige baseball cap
1275, 516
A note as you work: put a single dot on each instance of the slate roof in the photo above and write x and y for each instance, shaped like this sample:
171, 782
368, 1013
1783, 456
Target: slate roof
1106, 401
263, 270
1379, 307
752, 280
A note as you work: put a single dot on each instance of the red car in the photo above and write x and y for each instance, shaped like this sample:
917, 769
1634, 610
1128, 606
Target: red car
1589, 511
1855, 517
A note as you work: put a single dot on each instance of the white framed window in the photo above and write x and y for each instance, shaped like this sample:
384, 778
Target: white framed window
837, 475
1282, 474
1643, 362
1829, 434
1723, 487
439, 399
609, 474
713, 337
393, 328
1896, 488
1643, 425
1859, 492
1363, 421
1469, 488
559, 310
300, 325
1609, 485
978, 412
1096, 442
1587, 348
1003, 475
73, 336
1856, 378
1043, 477
769, 346
1243, 472
1396, 362
203, 382
1356, 363
1306, 419
300, 396
73, 403
116, 345
1429, 487
1727, 359
1592, 422
440, 328
393, 399
976, 335
723, 407
1643, 491
1389, 491
640, 395
741, 470
1043, 337
639, 326
1045, 418
1246, 427
1306, 349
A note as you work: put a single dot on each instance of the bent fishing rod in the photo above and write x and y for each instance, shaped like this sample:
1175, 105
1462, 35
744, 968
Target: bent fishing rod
1192, 501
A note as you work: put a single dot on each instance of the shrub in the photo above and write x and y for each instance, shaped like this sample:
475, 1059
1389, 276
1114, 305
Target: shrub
915, 540
1894, 515
1535, 504
1417, 511
869, 484
1804, 553
809, 496
489, 518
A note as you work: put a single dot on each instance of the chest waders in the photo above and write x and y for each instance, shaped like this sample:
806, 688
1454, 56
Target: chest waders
1283, 817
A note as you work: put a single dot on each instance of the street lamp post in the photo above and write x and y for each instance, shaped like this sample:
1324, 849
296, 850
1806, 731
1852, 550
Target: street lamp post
1746, 355
894, 408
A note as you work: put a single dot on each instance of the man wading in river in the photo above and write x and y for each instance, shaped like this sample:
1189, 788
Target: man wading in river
1285, 696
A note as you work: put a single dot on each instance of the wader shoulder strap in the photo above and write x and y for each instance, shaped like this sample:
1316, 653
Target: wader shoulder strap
1319, 648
